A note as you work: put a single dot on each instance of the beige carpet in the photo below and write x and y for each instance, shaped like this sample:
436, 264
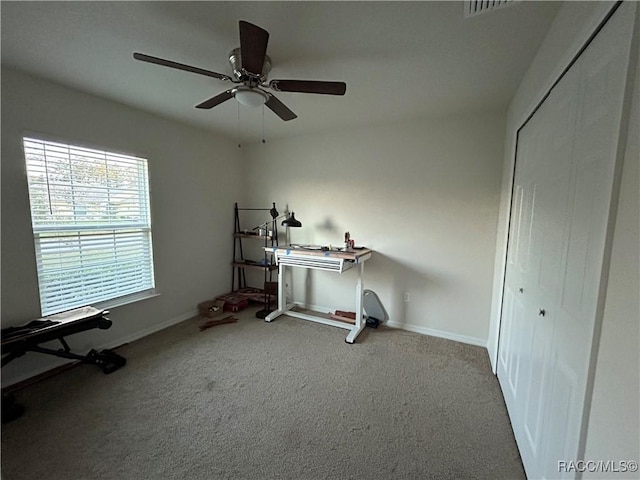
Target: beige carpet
285, 400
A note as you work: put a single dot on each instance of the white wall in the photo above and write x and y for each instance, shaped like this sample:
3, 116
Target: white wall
422, 194
194, 180
613, 420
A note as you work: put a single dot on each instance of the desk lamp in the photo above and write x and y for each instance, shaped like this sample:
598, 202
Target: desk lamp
291, 221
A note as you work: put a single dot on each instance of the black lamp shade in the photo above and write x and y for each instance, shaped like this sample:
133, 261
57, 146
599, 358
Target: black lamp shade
291, 221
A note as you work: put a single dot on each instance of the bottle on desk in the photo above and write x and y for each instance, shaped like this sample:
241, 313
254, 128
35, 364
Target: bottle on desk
347, 241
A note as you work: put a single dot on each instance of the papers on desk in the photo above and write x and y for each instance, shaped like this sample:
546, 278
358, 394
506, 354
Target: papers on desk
323, 248
309, 247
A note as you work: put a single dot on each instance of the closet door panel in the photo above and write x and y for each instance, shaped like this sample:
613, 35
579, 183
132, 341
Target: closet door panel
516, 339
602, 83
549, 177
601, 87
560, 434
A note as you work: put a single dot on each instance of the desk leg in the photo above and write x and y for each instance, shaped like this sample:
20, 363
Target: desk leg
282, 299
360, 323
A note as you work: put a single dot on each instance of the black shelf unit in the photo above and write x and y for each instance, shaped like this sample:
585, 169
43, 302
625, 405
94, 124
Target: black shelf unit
240, 263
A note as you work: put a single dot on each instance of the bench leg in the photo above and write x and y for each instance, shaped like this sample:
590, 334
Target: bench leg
108, 360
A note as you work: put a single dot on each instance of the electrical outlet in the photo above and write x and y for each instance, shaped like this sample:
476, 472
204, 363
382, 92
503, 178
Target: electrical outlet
407, 297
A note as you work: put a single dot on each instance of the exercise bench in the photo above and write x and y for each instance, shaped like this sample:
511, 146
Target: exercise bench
16, 341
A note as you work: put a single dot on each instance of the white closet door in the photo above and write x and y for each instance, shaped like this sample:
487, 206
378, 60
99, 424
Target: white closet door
562, 191
533, 274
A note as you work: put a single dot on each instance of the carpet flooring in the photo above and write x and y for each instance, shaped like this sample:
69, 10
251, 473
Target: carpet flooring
282, 400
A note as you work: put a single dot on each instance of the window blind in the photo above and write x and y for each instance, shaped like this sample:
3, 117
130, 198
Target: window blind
91, 224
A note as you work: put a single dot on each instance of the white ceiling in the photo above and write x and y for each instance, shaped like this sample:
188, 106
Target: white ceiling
400, 60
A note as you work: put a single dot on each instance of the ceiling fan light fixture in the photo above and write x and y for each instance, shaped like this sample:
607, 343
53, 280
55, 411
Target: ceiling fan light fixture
250, 97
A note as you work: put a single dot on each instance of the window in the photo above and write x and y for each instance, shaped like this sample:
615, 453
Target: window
91, 224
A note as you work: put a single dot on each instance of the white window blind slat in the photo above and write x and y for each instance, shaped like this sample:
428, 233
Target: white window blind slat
116, 285
91, 223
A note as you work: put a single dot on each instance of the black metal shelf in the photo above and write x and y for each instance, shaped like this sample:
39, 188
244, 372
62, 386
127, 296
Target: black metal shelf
240, 263
256, 266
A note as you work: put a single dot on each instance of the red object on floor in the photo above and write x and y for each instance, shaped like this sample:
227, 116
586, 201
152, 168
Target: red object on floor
342, 313
237, 306
342, 316
234, 303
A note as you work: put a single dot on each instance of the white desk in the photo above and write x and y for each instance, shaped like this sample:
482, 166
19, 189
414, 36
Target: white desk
333, 261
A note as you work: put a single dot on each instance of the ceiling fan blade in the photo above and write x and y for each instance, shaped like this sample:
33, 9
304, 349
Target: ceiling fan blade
279, 108
180, 66
309, 86
253, 47
217, 100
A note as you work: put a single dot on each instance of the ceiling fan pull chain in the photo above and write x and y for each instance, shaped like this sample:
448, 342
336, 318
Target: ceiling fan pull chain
263, 140
239, 144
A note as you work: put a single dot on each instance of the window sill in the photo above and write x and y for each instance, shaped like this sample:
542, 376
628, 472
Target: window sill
120, 302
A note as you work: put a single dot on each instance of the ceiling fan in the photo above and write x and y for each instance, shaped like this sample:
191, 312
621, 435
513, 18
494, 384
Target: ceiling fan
251, 64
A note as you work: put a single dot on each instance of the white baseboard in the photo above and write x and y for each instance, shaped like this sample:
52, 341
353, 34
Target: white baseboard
56, 362
438, 333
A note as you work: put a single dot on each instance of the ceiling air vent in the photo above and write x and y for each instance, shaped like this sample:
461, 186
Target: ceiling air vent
476, 7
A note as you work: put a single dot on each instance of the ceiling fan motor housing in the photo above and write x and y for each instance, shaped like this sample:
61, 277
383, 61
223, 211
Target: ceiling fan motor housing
235, 60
